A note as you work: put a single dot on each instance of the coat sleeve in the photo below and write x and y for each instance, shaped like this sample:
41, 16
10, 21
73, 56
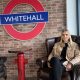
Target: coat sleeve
51, 55
53, 52
76, 59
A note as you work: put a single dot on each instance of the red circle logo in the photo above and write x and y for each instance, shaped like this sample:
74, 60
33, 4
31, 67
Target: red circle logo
21, 35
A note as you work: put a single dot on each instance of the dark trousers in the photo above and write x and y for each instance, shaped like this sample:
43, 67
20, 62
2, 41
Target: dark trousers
58, 69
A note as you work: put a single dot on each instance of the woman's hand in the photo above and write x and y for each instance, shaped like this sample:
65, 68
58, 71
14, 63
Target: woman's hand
68, 66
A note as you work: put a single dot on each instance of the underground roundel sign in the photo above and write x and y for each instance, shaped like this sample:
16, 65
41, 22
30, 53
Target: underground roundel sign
39, 16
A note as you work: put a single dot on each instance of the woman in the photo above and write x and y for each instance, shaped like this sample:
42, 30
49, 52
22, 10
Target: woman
64, 56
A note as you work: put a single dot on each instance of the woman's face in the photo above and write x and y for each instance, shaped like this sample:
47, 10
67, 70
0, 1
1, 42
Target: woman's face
65, 36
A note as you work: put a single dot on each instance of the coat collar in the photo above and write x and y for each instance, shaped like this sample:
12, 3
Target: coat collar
62, 44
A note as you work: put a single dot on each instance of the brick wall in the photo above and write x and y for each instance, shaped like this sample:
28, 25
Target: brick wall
57, 21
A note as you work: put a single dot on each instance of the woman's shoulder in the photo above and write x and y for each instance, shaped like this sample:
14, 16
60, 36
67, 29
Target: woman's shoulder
74, 43
57, 43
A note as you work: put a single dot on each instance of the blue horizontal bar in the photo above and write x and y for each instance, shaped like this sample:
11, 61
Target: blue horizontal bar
23, 18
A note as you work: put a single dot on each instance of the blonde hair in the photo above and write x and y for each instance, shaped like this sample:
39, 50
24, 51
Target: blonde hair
70, 39
64, 30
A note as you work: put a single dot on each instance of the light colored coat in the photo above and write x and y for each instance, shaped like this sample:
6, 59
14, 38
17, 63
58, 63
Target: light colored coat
72, 53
